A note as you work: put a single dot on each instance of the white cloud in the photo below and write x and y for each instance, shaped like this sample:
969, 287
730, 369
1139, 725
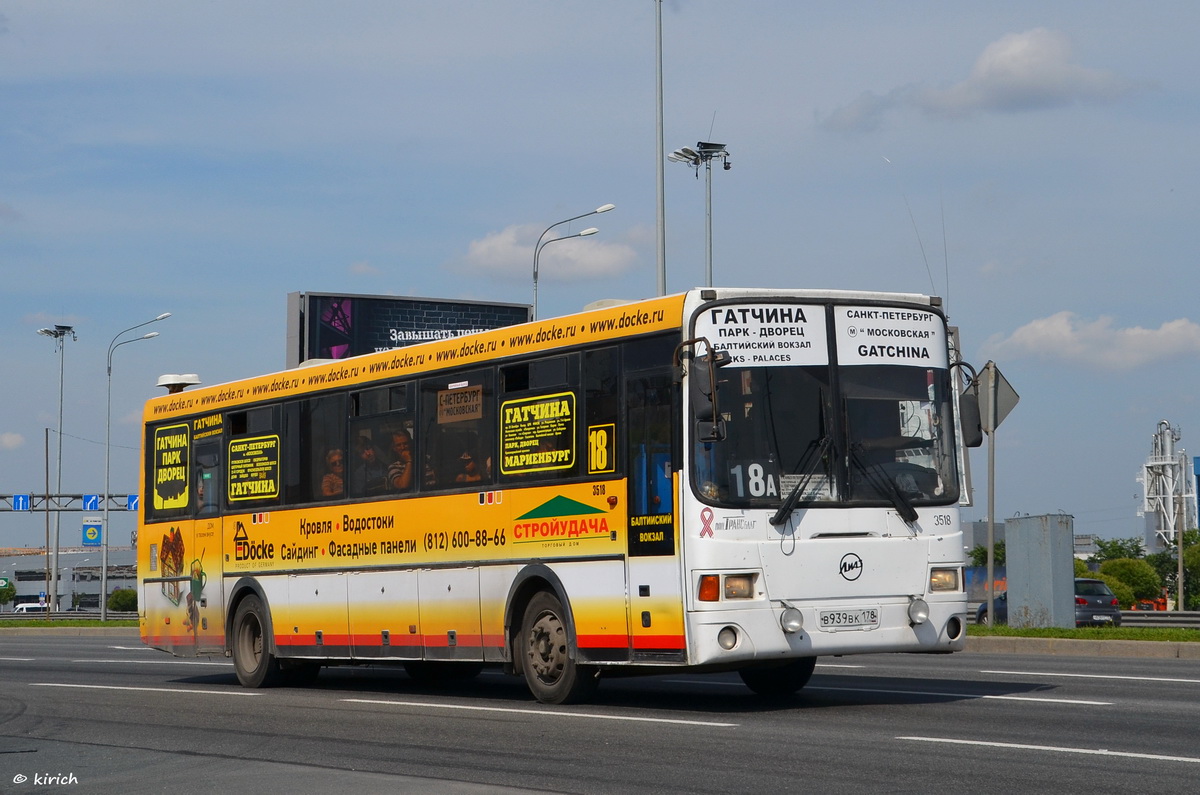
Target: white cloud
508, 254
1019, 72
11, 441
1065, 337
1024, 71
363, 268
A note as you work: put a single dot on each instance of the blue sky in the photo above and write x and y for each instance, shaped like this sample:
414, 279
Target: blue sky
1033, 163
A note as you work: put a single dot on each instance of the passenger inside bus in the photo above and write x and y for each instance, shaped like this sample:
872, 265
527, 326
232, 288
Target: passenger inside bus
369, 475
400, 471
334, 481
469, 472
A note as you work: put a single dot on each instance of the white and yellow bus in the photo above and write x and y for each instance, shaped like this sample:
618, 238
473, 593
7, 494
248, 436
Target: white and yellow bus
725, 479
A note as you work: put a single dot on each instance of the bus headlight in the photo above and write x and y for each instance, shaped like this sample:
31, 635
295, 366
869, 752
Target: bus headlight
739, 586
945, 579
792, 620
918, 610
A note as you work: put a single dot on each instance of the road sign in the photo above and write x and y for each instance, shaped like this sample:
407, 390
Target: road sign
994, 383
131, 502
22, 502
91, 502
3, 582
93, 532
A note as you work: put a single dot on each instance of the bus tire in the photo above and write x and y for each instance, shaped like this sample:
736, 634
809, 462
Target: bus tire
544, 644
253, 660
779, 680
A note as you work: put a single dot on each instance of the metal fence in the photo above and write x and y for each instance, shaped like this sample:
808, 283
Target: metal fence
66, 615
1160, 618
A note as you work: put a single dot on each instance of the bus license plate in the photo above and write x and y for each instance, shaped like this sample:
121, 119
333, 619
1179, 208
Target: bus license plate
861, 618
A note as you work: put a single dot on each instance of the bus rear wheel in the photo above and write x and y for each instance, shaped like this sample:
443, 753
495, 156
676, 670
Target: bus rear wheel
778, 680
253, 660
550, 670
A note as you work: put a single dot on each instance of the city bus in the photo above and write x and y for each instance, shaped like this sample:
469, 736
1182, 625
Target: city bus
719, 480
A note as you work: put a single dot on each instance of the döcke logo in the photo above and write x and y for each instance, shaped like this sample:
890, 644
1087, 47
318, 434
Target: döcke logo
245, 549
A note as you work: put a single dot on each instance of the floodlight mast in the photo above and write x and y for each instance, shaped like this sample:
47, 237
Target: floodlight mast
704, 153
60, 334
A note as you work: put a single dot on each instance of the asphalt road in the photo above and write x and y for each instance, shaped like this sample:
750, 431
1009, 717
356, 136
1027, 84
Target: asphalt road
103, 714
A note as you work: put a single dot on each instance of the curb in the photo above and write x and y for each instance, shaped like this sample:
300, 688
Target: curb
1068, 647
102, 632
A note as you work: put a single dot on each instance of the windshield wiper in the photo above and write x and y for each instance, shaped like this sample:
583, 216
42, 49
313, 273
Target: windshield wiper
815, 450
884, 484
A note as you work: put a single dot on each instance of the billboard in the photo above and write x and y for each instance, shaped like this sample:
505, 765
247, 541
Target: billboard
337, 326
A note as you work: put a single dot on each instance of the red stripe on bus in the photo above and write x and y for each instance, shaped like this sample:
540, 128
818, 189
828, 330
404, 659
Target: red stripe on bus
654, 642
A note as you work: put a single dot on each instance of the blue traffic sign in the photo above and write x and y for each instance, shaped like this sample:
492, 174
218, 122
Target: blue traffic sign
91, 502
22, 502
93, 533
131, 502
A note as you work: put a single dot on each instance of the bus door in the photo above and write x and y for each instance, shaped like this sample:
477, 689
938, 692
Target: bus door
204, 599
181, 551
653, 560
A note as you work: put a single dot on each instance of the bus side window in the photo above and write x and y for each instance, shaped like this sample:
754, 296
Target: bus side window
602, 399
539, 422
650, 419
315, 431
254, 459
457, 434
207, 467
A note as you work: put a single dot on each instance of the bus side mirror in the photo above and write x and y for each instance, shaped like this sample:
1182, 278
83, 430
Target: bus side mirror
703, 385
969, 419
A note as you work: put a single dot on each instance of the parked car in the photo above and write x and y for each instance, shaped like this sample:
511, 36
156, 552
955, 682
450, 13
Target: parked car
1095, 606
29, 607
1000, 600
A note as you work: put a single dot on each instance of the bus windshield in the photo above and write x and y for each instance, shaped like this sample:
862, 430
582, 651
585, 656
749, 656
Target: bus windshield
852, 433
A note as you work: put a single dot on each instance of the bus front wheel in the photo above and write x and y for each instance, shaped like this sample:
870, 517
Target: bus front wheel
778, 680
256, 666
550, 670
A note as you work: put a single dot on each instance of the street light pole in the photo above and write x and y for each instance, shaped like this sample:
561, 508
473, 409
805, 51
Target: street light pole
704, 153
539, 245
538, 250
112, 346
59, 333
658, 160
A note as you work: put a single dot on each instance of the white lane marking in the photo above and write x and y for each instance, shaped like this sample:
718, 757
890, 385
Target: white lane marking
538, 712
1098, 676
148, 689
963, 695
1057, 749
18, 659
906, 693
172, 661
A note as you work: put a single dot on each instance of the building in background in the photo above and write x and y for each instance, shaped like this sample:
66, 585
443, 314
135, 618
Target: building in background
336, 326
79, 576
